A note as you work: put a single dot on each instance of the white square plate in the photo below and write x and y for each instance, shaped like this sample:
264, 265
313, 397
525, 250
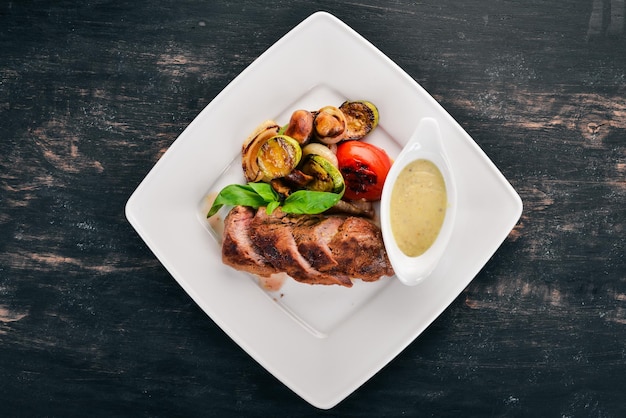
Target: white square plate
323, 342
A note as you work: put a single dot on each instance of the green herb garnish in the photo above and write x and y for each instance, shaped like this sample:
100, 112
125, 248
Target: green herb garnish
256, 195
309, 202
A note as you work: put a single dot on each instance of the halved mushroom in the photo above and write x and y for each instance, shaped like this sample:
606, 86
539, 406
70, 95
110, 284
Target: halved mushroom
329, 125
281, 187
298, 179
252, 145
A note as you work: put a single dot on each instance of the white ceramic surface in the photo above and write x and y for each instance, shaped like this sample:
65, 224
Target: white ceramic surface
322, 342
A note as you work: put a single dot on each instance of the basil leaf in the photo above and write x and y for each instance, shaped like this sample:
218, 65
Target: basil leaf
271, 206
236, 194
256, 195
309, 202
265, 191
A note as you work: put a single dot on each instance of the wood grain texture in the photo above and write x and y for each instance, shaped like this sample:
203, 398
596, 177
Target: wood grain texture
92, 94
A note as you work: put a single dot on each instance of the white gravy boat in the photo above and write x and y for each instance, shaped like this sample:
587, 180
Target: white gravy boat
425, 143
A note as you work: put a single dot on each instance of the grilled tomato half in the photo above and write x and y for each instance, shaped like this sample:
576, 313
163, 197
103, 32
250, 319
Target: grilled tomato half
364, 168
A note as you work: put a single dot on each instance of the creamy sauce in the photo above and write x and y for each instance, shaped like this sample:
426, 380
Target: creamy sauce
418, 207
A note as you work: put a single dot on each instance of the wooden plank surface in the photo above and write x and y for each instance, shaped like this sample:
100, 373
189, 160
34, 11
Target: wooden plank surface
92, 94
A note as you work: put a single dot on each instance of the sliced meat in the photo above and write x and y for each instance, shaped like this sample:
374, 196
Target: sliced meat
359, 251
238, 250
314, 249
312, 235
274, 240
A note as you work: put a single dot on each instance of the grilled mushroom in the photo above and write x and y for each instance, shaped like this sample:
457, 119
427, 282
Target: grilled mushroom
300, 126
329, 125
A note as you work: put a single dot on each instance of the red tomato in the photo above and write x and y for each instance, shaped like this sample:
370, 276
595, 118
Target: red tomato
364, 168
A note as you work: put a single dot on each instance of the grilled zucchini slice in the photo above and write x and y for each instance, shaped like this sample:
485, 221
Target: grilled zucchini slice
361, 118
278, 156
326, 177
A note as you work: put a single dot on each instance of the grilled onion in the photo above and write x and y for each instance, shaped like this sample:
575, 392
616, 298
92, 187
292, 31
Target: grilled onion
315, 148
252, 145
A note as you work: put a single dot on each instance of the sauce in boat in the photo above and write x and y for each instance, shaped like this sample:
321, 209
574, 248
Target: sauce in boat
418, 207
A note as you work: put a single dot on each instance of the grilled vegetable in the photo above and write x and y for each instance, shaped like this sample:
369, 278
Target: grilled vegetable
326, 177
361, 207
280, 187
322, 150
252, 145
364, 168
297, 179
329, 125
278, 156
361, 118
312, 156
300, 126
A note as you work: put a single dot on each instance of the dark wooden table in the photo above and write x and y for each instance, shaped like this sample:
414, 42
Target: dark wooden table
92, 94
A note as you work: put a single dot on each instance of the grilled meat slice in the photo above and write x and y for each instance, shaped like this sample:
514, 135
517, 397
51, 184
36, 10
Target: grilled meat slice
312, 235
238, 250
359, 251
314, 249
273, 237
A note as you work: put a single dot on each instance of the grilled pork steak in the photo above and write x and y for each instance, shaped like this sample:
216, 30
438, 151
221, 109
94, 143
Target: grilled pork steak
238, 250
314, 249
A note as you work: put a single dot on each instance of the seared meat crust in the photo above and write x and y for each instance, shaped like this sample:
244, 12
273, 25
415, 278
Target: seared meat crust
314, 249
